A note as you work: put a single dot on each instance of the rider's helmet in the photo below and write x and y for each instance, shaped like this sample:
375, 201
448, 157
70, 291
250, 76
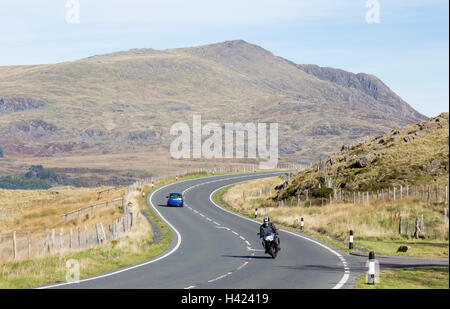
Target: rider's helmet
266, 221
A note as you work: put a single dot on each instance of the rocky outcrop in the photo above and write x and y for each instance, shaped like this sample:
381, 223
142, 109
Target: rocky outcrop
35, 129
18, 104
364, 160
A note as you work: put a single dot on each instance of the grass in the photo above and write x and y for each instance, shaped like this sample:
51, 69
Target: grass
375, 224
40, 209
134, 247
394, 162
410, 278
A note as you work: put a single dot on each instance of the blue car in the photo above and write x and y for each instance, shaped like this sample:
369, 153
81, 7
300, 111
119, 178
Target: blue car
175, 199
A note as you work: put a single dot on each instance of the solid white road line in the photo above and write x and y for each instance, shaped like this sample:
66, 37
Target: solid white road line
135, 266
164, 219
337, 286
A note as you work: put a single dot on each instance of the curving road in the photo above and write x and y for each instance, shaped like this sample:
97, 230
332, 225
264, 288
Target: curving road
213, 248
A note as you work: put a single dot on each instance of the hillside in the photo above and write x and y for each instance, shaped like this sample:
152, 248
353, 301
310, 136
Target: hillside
416, 154
127, 101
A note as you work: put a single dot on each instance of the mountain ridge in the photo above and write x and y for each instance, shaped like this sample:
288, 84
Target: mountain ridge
123, 101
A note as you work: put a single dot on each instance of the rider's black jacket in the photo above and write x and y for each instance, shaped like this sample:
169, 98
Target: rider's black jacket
263, 229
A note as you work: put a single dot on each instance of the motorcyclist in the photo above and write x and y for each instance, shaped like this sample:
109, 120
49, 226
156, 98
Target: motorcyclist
266, 227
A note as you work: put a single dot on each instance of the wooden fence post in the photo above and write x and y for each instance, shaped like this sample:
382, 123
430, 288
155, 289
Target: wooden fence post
61, 239
446, 195
97, 235
407, 228
421, 224
52, 247
86, 235
79, 237
14, 245
103, 233
416, 232
400, 226
46, 241
70, 238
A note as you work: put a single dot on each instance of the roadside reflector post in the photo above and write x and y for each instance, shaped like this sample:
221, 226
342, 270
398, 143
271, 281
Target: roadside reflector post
176, 178
371, 270
350, 243
302, 223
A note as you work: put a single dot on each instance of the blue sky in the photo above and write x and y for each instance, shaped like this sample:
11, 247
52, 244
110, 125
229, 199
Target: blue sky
408, 49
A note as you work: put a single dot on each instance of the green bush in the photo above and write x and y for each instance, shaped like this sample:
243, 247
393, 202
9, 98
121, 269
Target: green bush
322, 192
16, 183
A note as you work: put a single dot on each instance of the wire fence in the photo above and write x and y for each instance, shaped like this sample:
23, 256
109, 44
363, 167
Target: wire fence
22, 245
27, 245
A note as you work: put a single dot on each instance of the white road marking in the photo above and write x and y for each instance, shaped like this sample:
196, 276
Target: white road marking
344, 278
165, 220
220, 277
342, 282
135, 266
251, 249
243, 265
235, 233
216, 223
190, 287
223, 227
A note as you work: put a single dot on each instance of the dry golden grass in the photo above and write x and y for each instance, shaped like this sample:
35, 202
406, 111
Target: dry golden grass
36, 210
155, 163
133, 247
375, 219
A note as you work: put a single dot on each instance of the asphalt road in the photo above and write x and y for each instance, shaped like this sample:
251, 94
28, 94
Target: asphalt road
213, 248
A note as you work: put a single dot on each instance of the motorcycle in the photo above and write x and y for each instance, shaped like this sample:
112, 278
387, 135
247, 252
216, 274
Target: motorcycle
270, 243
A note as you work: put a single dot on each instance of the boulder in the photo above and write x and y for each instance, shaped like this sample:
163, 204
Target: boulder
403, 248
364, 160
345, 147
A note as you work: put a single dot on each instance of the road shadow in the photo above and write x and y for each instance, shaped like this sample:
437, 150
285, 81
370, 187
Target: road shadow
249, 257
314, 267
166, 206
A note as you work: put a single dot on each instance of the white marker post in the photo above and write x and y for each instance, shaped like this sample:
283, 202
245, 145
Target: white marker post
301, 224
350, 244
371, 271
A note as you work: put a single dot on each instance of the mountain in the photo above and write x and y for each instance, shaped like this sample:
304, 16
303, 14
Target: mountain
127, 101
416, 154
